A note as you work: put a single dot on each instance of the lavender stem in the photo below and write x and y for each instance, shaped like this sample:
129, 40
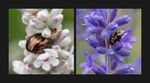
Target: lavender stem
107, 58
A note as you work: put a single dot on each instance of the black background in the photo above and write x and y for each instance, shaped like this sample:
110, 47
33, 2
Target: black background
5, 5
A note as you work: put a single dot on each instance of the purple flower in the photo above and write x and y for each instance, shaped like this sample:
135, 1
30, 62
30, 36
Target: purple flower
125, 69
109, 39
89, 66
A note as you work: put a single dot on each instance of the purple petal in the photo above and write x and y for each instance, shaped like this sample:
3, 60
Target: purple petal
98, 70
86, 70
117, 47
90, 21
101, 50
101, 21
114, 65
113, 14
88, 59
83, 65
117, 58
123, 20
92, 41
93, 30
126, 34
102, 12
101, 41
106, 34
132, 40
125, 69
103, 67
124, 53
128, 45
112, 26
109, 52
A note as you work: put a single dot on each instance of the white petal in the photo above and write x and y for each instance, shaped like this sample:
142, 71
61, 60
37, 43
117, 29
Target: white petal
72, 49
56, 48
43, 56
31, 31
53, 61
38, 63
22, 43
62, 34
29, 59
37, 24
46, 33
66, 41
59, 27
18, 66
65, 32
62, 68
57, 21
64, 54
26, 17
71, 59
43, 14
17, 63
52, 16
71, 62
26, 53
31, 11
55, 12
51, 52
46, 66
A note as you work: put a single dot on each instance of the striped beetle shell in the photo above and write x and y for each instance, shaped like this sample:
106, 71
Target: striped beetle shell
36, 43
116, 36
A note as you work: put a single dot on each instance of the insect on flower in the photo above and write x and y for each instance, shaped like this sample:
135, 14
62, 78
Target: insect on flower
116, 36
36, 43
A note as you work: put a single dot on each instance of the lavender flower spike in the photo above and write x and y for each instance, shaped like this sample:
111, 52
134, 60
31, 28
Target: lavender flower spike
108, 39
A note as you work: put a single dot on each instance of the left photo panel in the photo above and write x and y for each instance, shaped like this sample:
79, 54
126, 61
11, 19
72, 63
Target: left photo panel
41, 41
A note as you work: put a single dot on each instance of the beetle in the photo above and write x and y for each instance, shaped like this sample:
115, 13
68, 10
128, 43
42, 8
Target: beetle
116, 36
36, 43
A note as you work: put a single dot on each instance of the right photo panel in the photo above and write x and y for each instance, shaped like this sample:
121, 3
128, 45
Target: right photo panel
108, 41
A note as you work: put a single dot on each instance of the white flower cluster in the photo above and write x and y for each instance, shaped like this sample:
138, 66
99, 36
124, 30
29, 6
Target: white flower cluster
59, 59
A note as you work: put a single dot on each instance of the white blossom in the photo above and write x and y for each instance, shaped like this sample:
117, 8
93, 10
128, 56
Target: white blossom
55, 59
37, 24
26, 17
20, 68
47, 60
31, 31
66, 41
46, 33
43, 14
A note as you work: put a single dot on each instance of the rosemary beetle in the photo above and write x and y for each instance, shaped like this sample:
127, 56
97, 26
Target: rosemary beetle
116, 36
36, 43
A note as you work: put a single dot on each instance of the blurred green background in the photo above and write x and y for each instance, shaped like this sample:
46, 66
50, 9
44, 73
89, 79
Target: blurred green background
135, 14
17, 32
